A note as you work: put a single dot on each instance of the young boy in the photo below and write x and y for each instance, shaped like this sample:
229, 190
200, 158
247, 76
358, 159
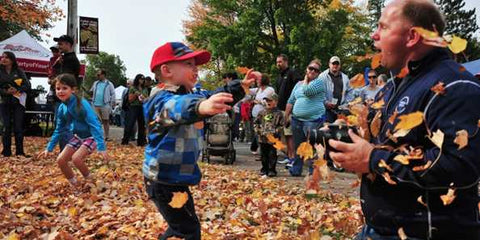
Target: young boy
269, 121
175, 121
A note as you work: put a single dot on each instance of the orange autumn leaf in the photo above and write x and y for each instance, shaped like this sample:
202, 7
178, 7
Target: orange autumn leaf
457, 45
376, 60
449, 197
423, 167
383, 164
362, 58
391, 119
376, 124
357, 81
409, 121
178, 200
277, 143
462, 69
420, 200
242, 70
378, 105
388, 179
439, 88
305, 151
403, 72
461, 139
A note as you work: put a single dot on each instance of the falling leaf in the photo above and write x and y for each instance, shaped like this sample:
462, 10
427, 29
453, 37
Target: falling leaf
457, 45
403, 73
198, 125
439, 88
376, 124
305, 151
277, 143
462, 69
402, 159
409, 121
357, 81
352, 120
320, 151
449, 197
461, 139
378, 105
426, 33
437, 138
420, 200
242, 70
391, 119
401, 234
401, 133
423, 167
376, 60
388, 179
383, 164
178, 200
355, 101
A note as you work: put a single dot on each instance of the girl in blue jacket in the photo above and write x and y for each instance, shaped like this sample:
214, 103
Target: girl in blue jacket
86, 128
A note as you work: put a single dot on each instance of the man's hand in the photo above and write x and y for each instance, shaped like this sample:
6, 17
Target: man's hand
248, 80
354, 156
215, 104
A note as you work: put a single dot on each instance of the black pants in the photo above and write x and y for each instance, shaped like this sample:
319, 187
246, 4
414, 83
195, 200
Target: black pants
268, 155
135, 114
12, 112
182, 222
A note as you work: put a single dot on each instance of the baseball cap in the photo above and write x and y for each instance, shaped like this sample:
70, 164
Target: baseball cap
334, 59
54, 47
64, 38
272, 96
177, 51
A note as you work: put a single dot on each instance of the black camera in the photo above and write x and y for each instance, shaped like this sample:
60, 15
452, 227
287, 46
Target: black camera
337, 132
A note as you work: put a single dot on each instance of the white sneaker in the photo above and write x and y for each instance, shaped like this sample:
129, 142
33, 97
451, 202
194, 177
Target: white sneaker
255, 153
289, 164
285, 160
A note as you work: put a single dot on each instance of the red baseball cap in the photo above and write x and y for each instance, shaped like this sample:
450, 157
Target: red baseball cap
177, 51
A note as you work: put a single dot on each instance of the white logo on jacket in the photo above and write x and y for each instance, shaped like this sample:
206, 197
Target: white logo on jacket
402, 105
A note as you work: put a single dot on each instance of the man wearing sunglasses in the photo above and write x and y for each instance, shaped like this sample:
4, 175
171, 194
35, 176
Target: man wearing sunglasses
339, 91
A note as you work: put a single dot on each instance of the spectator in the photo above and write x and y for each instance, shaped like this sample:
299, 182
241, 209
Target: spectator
368, 92
68, 62
246, 115
339, 91
117, 115
382, 80
235, 112
103, 98
408, 196
284, 85
269, 122
263, 90
53, 70
13, 91
136, 95
148, 84
306, 109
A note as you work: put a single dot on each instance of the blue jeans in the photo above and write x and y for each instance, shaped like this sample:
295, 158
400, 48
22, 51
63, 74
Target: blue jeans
369, 233
300, 131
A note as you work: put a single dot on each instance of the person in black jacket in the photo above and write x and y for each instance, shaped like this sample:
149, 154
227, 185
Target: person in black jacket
13, 91
68, 62
412, 173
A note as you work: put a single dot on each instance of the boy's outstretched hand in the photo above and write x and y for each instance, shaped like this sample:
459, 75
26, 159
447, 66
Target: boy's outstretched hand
217, 103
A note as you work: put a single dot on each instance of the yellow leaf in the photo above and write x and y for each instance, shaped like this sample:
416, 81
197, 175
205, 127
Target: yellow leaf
305, 151
402, 159
391, 119
320, 151
378, 105
280, 230
383, 164
401, 234
376, 124
457, 45
352, 120
420, 200
277, 143
461, 139
409, 121
357, 81
18, 81
401, 133
376, 60
423, 167
437, 138
72, 212
13, 236
449, 197
426, 33
178, 200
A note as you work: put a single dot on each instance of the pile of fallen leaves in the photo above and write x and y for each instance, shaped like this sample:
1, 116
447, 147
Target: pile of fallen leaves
37, 202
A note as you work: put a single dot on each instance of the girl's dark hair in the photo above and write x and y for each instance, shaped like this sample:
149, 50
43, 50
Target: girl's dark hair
11, 56
136, 80
70, 80
265, 80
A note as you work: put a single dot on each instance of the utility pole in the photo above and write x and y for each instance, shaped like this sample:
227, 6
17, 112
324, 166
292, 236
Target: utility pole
72, 22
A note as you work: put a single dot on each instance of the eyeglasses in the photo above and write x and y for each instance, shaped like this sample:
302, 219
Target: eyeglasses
335, 63
373, 76
310, 68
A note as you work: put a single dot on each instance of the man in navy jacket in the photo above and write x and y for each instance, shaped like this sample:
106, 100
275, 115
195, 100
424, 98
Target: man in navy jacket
402, 192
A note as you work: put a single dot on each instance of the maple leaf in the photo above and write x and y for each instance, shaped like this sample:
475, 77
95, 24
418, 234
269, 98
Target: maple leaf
426, 33
357, 81
438, 138
403, 72
449, 197
461, 139
409, 121
383, 164
242, 70
305, 151
457, 45
378, 105
376, 60
320, 151
376, 124
439, 88
277, 143
178, 199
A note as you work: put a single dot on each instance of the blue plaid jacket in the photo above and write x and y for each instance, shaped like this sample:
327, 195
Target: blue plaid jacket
175, 133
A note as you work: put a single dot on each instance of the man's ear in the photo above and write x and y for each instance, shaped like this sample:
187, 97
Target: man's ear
413, 38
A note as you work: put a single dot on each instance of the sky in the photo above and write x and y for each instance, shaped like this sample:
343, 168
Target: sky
134, 29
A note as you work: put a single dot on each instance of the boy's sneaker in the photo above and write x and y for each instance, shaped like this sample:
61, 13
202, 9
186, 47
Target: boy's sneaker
272, 174
284, 161
262, 173
289, 164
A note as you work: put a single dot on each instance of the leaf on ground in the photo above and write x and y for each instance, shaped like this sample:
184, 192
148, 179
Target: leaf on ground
438, 138
449, 197
376, 60
178, 200
357, 81
461, 139
305, 151
457, 45
409, 121
439, 88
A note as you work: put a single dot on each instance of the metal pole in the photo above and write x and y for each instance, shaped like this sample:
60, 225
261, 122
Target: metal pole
72, 22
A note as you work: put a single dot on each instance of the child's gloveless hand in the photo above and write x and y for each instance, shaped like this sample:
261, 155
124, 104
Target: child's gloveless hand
217, 103
43, 154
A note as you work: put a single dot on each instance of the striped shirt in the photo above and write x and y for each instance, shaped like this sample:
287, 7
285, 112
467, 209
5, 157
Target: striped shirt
308, 100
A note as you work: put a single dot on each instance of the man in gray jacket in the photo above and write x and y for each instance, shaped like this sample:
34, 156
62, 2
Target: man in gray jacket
103, 98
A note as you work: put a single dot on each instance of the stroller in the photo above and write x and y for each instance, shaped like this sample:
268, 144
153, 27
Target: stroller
219, 138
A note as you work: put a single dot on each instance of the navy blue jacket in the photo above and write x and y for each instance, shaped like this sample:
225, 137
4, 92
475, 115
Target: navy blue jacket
388, 207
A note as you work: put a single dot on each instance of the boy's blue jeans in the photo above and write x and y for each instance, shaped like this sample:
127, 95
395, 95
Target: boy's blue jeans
300, 131
182, 222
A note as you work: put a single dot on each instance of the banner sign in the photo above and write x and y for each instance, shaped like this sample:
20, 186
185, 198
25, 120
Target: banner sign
88, 35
